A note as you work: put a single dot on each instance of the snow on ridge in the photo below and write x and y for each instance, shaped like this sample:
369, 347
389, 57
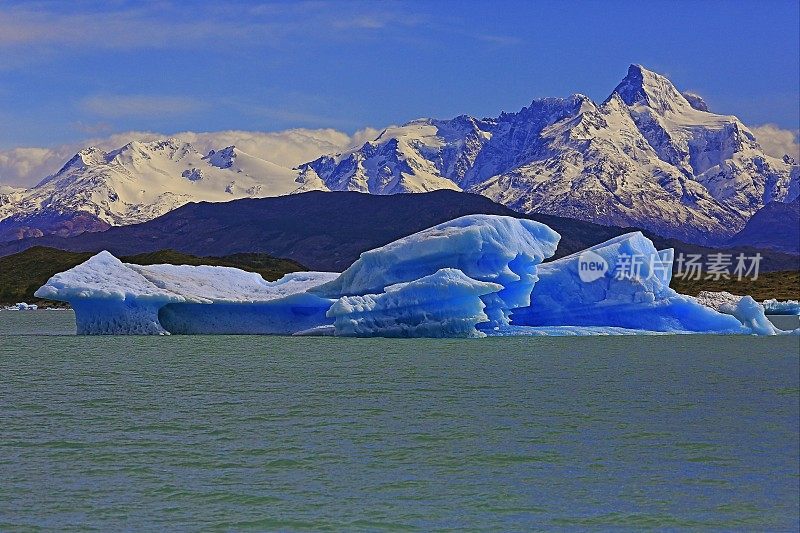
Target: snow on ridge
696, 101
145, 179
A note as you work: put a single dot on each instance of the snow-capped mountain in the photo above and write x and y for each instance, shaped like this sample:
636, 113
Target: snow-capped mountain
648, 156
135, 183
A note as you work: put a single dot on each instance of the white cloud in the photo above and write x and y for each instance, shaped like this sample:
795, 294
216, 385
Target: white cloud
499, 40
112, 29
24, 167
173, 25
777, 141
287, 148
139, 105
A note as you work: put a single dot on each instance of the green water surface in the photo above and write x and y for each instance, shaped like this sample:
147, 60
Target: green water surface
277, 433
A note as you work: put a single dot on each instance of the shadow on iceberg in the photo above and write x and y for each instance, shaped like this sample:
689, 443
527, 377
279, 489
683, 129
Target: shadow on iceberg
474, 276
444, 304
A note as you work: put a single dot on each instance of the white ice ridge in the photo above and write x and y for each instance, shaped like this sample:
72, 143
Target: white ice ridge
112, 297
470, 277
489, 248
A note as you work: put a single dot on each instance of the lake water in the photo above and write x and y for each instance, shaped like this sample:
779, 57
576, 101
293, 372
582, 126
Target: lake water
266, 433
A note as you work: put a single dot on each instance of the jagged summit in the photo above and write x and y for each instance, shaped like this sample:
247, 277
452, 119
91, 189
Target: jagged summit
645, 87
86, 157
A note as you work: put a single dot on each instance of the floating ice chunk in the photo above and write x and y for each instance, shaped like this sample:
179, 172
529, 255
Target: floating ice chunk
444, 304
112, 297
775, 307
623, 283
22, 306
751, 314
744, 308
470, 277
495, 249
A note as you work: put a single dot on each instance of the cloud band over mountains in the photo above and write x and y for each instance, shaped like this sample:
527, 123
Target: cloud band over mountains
26, 166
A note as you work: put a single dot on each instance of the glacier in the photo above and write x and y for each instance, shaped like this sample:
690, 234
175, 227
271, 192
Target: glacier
474, 276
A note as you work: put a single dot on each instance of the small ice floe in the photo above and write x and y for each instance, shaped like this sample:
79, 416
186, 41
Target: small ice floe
21, 306
786, 307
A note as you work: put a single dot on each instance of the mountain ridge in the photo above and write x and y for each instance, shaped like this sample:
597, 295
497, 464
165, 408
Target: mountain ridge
644, 157
648, 156
771, 227
134, 183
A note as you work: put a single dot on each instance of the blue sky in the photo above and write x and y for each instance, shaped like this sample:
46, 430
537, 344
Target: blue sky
75, 70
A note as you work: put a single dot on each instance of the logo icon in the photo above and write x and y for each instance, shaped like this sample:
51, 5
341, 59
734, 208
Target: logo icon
591, 266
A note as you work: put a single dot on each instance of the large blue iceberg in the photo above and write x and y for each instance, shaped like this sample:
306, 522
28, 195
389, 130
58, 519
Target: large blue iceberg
474, 276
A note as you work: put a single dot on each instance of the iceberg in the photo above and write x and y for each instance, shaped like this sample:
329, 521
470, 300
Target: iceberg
475, 276
745, 309
112, 297
751, 314
488, 248
621, 283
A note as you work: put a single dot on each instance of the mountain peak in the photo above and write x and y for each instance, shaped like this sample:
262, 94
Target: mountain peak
645, 87
84, 158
